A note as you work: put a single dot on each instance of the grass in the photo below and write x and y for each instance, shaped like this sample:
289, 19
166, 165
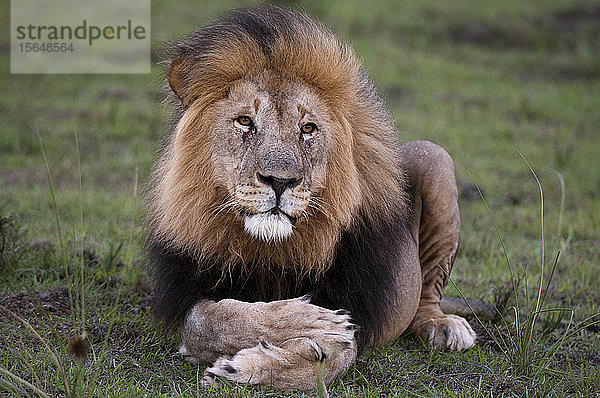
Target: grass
481, 79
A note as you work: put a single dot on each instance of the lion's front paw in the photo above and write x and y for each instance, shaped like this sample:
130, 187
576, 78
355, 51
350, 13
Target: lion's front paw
326, 350
286, 344
249, 366
299, 363
300, 315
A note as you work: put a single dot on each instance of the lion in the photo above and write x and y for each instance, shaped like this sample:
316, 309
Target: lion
288, 229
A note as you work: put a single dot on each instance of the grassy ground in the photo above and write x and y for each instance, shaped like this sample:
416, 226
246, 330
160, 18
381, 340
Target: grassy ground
480, 78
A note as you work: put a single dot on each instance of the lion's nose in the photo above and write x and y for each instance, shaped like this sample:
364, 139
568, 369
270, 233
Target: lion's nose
279, 185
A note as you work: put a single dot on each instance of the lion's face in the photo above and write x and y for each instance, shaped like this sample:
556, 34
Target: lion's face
271, 140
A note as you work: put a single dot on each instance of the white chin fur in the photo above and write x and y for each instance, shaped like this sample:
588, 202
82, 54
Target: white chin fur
268, 227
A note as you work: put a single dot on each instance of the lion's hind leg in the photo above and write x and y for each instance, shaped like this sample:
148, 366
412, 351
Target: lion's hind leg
436, 227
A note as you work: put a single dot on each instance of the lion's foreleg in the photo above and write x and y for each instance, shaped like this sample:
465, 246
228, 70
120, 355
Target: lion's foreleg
285, 344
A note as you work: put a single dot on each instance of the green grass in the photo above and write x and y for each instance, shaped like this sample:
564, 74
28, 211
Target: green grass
479, 78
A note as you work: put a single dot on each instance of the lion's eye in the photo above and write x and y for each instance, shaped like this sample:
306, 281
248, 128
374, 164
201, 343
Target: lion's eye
308, 128
244, 120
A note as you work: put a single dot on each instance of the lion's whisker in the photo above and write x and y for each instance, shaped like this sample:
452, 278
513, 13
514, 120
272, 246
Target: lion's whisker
228, 205
319, 205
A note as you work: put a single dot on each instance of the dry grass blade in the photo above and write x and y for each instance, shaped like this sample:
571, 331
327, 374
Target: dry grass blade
56, 214
539, 301
51, 185
513, 279
81, 262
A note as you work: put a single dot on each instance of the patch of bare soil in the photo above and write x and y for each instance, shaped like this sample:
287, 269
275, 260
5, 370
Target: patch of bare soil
55, 301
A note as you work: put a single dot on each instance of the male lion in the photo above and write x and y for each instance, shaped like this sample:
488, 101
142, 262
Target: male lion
288, 229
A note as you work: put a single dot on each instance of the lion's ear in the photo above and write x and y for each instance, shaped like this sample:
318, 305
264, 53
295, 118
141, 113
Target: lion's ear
178, 81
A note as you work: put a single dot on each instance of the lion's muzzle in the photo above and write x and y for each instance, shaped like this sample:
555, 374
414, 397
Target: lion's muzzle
275, 219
